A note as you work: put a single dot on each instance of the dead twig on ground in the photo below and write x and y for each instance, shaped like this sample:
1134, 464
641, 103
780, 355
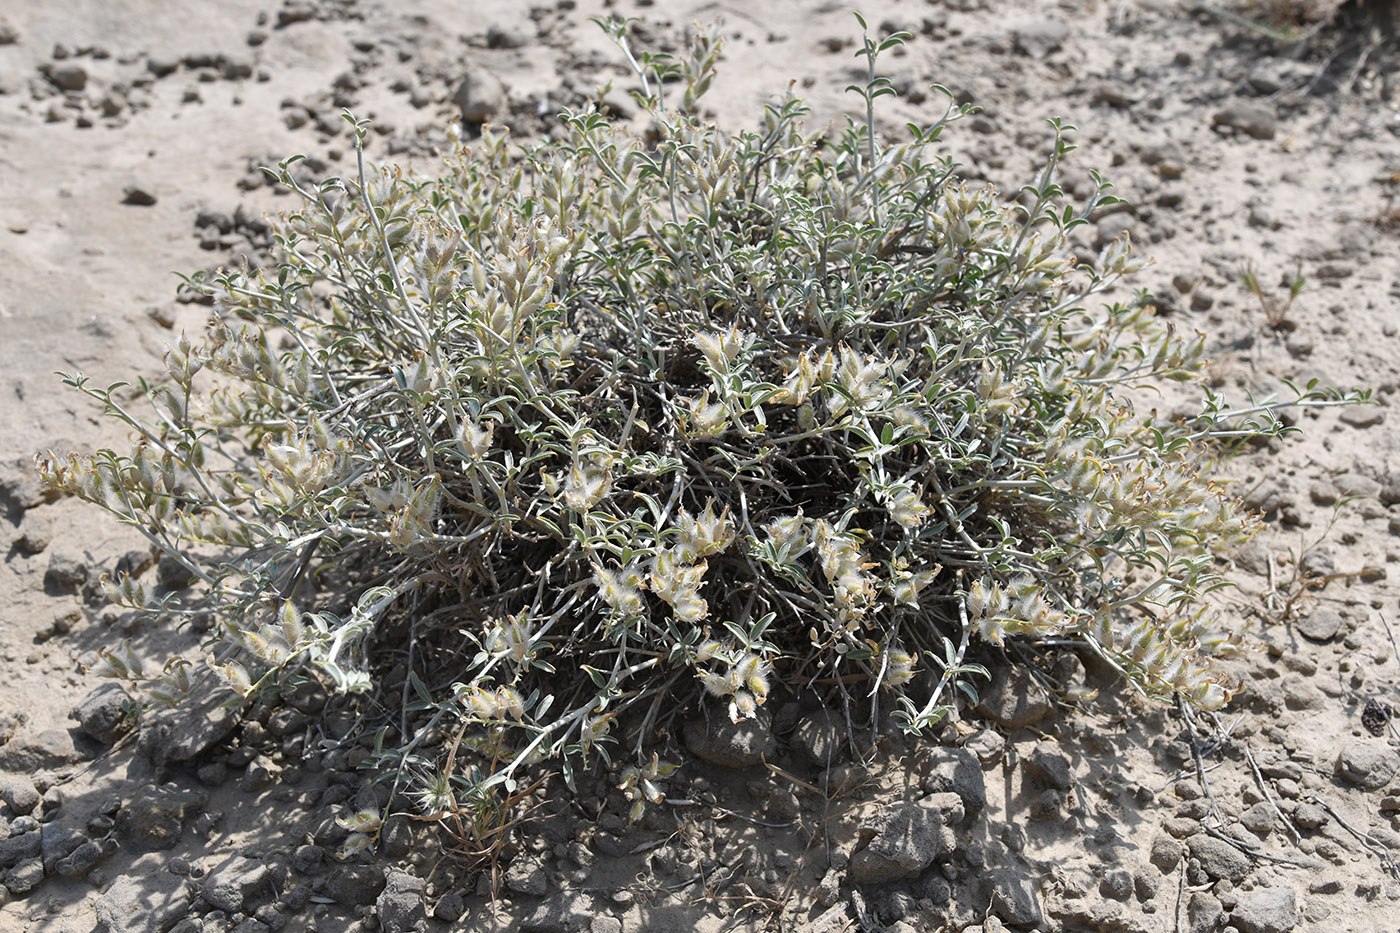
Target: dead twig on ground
1180, 896
1368, 842
1264, 788
1256, 852
1198, 755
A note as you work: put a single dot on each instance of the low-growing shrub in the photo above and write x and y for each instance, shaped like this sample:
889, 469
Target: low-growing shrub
564, 440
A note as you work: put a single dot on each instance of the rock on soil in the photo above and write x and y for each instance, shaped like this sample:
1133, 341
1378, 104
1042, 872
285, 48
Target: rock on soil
49, 750
1013, 699
156, 816
85, 857
1309, 816
1039, 40
1255, 119
1166, 853
400, 905
181, 732
20, 488
1203, 912
906, 838
19, 847
1218, 858
59, 841
1368, 764
1014, 898
20, 795
1362, 417
565, 912
957, 771
355, 885
68, 77
525, 875
1266, 910
233, 882
1320, 625
480, 96
139, 194
68, 569
25, 876
141, 903
451, 907
987, 745
819, 737
1258, 818
102, 713
728, 744
1049, 767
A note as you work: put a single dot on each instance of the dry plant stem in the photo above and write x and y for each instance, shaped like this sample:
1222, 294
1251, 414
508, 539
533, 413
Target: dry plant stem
1228, 16
1198, 757
1394, 649
1268, 794
1370, 843
1180, 896
1269, 597
789, 776
115, 747
1263, 785
1256, 852
1373, 42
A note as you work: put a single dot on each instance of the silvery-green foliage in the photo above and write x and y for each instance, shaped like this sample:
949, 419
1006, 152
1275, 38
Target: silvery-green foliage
620, 422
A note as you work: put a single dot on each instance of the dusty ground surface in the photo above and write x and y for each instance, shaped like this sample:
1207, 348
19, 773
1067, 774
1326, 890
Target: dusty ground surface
129, 138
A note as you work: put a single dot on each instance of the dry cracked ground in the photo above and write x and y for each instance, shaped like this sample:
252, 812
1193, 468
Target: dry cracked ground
1248, 135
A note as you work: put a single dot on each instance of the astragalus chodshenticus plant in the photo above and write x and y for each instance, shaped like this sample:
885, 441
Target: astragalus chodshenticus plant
576, 437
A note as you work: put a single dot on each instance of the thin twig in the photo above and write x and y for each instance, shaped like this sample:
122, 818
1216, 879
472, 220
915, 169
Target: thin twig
1373, 42
1268, 794
1256, 852
1200, 761
1180, 896
1273, 586
1370, 843
1394, 650
793, 778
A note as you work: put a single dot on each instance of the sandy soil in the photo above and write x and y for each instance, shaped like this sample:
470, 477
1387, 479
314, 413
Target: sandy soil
130, 134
